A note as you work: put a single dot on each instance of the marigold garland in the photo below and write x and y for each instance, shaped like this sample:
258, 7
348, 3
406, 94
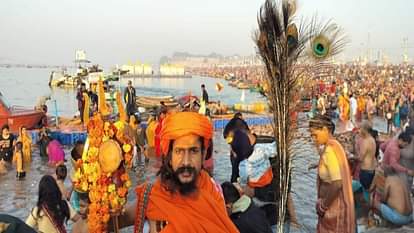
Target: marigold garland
107, 191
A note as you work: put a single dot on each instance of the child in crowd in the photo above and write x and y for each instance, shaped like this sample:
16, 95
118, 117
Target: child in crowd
18, 160
76, 154
140, 141
81, 226
61, 173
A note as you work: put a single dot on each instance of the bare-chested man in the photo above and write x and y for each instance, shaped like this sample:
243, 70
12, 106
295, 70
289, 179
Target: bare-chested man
366, 154
395, 206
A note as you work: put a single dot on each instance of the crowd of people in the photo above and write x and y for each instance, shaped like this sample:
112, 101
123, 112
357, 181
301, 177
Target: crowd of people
376, 180
381, 178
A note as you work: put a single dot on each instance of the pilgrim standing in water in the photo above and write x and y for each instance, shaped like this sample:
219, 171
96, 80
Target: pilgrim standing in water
55, 152
26, 141
6, 144
18, 160
43, 141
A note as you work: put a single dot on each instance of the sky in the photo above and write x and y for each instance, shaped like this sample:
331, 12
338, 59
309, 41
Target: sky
117, 31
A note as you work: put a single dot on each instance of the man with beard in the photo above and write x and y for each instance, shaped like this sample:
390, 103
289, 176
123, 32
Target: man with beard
183, 197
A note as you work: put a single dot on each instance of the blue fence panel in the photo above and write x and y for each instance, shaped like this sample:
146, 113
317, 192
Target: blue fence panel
78, 136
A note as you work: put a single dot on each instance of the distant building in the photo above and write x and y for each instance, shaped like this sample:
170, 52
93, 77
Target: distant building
138, 69
172, 70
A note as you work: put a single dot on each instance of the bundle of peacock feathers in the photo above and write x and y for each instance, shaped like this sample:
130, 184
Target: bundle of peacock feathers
282, 45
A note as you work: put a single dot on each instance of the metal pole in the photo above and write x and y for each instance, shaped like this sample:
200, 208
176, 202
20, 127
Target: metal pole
56, 114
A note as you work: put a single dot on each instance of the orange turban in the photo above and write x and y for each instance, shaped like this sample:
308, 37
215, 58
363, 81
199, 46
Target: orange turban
181, 124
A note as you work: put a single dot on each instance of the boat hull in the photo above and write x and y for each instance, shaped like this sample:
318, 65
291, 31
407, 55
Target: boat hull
28, 118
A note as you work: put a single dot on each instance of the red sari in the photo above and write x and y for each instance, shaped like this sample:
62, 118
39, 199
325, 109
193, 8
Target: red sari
340, 216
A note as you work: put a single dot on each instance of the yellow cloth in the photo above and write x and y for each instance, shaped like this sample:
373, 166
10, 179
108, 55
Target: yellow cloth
27, 146
361, 104
343, 104
122, 114
103, 109
86, 109
329, 167
18, 159
150, 132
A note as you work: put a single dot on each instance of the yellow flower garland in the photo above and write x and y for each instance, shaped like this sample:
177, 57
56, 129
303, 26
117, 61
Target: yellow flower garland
107, 191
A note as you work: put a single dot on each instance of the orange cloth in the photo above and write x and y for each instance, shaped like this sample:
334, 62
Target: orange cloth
181, 124
203, 213
18, 159
150, 132
122, 114
103, 109
361, 104
264, 180
340, 216
343, 104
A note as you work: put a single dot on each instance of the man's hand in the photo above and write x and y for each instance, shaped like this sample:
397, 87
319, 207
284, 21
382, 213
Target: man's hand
410, 172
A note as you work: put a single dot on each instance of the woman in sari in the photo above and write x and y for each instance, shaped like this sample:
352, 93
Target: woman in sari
26, 140
335, 205
55, 152
51, 212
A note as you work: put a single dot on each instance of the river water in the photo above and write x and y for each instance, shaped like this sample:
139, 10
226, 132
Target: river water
24, 86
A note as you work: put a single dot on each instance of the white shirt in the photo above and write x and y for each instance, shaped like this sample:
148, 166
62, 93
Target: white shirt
354, 105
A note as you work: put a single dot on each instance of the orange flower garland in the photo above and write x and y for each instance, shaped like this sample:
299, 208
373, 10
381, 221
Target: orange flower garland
107, 191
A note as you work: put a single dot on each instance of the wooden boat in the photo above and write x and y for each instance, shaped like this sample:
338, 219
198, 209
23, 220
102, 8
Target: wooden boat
233, 83
17, 117
185, 100
243, 86
154, 101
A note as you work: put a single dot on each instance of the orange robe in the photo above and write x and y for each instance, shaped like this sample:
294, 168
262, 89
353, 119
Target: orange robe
360, 108
343, 104
340, 216
203, 213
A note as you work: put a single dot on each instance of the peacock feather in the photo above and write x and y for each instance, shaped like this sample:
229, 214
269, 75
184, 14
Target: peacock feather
282, 43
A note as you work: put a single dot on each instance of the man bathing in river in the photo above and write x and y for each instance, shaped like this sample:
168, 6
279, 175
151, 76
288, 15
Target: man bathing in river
366, 155
395, 205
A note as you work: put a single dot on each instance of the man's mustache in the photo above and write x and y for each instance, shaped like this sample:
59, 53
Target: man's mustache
188, 169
